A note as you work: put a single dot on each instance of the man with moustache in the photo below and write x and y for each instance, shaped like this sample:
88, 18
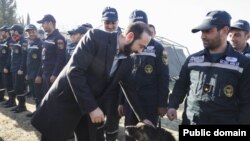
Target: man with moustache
215, 80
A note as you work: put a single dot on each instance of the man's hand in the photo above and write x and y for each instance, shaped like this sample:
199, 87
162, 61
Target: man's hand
121, 110
162, 111
172, 114
96, 116
38, 80
52, 79
148, 122
20, 72
5, 70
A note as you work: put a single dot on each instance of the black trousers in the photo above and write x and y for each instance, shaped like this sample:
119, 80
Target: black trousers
46, 83
19, 84
7, 81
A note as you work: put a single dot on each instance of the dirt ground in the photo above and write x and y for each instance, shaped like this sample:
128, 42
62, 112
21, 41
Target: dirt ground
17, 127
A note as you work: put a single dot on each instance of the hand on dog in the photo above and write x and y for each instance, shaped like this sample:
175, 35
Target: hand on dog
96, 116
172, 114
148, 122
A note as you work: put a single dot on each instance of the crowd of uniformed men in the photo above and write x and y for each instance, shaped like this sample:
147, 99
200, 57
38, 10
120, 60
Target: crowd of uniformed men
30, 64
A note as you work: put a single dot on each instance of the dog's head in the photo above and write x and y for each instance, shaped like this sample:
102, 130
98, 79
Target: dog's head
143, 132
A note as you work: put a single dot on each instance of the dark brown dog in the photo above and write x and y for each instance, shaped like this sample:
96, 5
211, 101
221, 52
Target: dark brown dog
143, 132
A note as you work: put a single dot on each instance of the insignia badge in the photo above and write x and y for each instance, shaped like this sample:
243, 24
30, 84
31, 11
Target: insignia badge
228, 90
165, 57
60, 44
207, 88
247, 55
148, 69
16, 51
3, 51
34, 56
25, 45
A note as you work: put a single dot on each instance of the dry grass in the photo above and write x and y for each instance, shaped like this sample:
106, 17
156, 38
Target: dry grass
17, 127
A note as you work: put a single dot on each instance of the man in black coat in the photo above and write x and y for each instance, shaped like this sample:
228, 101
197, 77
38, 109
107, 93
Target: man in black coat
92, 73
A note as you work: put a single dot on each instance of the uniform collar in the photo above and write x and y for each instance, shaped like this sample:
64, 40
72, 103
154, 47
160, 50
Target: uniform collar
227, 51
56, 31
247, 49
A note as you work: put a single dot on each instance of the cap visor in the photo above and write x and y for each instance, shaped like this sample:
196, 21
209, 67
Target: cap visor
71, 32
40, 21
201, 27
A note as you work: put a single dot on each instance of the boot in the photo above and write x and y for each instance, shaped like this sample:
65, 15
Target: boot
7, 102
12, 100
30, 114
2, 92
21, 104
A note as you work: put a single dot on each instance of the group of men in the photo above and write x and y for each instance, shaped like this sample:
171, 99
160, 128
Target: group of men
85, 87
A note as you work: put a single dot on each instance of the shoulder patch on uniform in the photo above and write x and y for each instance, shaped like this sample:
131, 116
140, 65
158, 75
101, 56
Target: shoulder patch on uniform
165, 56
60, 44
247, 55
24, 46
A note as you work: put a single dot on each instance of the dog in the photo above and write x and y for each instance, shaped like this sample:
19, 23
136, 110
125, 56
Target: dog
144, 132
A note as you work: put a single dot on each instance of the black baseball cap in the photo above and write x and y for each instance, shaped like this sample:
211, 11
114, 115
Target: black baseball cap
241, 24
30, 27
216, 18
47, 18
109, 14
4, 28
80, 29
17, 27
138, 15
87, 25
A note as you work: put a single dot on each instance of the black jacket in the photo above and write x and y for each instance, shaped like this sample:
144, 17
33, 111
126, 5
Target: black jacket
217, 91
81, 86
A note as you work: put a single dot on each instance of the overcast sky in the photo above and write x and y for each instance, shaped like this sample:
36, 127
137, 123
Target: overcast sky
173, 19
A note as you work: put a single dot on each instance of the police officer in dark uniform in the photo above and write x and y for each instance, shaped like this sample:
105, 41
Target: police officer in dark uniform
34, 53
239, 34
53, 53
75, 36
18, 66
87, 25
3, 59
149, 78
110, 129
5, 63
215, 80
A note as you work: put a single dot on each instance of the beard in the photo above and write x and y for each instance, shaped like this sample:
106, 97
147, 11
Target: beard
212, 44
127, 49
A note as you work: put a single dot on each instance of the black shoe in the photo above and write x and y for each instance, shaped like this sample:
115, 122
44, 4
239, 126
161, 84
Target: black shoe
9, 105
5, 103
2, 99
20, 109
14, 109
30, 114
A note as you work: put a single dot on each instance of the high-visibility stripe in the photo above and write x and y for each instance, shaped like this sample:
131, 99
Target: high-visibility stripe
147, 54
49, 42
217, 65
33, 47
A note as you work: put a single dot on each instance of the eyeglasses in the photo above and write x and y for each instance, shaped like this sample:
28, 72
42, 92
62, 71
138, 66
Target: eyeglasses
109, 22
